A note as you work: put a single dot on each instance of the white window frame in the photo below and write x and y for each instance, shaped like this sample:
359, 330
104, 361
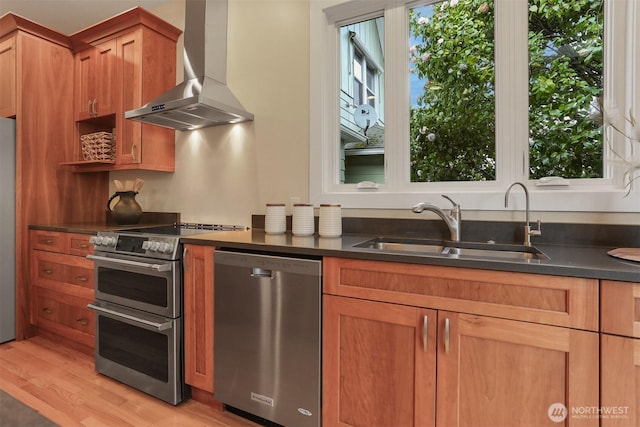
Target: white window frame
588, 195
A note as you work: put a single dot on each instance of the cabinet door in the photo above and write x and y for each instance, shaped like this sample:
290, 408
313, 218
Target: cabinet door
96, 77
198, 316
620, 308
496, 372
620, 387
8, 82
106, 75
378, 364
129, 139
85, 63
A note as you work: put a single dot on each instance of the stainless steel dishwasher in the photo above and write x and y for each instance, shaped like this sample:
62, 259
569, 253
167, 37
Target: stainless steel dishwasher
267, 314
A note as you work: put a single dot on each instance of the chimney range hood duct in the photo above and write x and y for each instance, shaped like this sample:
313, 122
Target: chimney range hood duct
203, 98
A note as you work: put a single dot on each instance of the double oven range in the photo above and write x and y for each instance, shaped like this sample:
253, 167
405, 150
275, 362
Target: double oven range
138, 306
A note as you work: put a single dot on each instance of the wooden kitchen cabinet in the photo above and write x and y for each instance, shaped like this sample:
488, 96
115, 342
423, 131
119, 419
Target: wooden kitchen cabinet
498, 372
62, 279
620, 353
8, 79
198, 316
121, 64
95, 77
480, 360
378, 367
37, 76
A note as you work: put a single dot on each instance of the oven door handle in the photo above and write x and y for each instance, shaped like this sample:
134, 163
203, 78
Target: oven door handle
156, 267
155, 325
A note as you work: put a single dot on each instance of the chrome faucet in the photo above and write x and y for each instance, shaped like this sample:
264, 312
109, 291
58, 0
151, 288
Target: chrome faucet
528, 231
453, 220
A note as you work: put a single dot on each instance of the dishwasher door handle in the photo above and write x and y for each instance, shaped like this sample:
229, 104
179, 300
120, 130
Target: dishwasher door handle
261, 272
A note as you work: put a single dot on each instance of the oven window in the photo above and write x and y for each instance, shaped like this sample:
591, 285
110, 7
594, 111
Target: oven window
134, 286
136, 348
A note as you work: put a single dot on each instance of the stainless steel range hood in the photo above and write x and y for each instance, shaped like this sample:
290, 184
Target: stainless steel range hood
203, 98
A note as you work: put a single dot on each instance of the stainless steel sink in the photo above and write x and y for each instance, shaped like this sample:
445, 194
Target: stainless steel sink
453, 249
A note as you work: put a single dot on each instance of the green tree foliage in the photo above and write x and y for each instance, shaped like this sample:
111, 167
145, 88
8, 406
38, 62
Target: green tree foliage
453, 122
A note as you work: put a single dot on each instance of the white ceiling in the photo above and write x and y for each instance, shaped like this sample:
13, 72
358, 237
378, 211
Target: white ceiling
69, 16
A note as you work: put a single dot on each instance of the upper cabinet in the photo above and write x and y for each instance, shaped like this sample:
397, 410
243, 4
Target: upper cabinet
96, 69
8, 81
121, 64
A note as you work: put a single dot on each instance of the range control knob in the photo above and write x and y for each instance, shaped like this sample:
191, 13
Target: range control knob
109, 241
165, 248
99, 240
154, 246
146, 244
93, 239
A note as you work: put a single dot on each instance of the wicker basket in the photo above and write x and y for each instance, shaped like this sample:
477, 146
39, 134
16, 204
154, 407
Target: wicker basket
98, 146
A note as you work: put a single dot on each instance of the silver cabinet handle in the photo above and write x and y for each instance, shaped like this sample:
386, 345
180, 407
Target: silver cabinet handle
156, 267
446, 335
425, 332
113, 313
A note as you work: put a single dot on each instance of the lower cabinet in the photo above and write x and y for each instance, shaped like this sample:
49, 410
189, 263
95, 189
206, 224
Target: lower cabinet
620, 354
379, 368
62, 281
427, 364
198, 316
497, 372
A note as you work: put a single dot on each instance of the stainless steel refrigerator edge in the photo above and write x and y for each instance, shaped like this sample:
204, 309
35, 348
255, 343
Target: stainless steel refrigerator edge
7, 229
267, 338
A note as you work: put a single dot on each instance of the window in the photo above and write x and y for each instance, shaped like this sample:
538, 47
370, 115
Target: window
452, 110
361, 101
499, 130
565, 77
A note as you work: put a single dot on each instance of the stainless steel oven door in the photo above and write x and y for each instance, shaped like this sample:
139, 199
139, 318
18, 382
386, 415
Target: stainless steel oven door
140, 349
145, 284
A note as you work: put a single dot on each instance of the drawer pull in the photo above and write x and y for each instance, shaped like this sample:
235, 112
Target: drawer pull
425, 333
83, 322
83, 245
47, 310
82, 278
48, 241
446, 335
47, 271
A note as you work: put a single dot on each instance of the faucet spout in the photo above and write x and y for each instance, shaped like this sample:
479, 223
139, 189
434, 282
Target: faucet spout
528, 231
452, 220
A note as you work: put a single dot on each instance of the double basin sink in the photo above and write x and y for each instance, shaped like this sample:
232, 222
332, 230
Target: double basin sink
454, 249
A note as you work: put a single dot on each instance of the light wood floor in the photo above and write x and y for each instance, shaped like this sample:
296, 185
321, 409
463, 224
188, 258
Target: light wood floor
62, 385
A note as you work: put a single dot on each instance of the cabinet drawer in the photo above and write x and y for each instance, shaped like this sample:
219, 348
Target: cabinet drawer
560, 301
79, 276
48, 270
69, 274
51, 241
59, 312
620, 308
78, 244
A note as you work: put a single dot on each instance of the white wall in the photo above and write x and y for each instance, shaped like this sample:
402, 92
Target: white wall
227, 173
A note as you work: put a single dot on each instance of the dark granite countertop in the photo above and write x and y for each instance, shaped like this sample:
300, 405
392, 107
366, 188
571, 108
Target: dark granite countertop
564, 260
574, 250
149, 219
